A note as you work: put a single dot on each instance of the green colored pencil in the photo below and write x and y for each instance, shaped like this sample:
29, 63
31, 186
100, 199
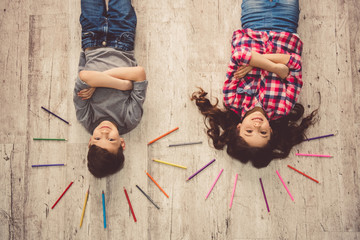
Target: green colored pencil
50, 139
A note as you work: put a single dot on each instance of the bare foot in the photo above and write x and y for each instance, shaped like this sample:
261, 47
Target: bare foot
282, 70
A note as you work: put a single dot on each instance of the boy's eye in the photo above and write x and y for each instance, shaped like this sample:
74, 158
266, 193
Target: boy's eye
97, 138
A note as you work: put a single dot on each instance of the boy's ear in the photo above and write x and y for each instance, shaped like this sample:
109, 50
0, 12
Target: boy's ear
89, 143
122, 143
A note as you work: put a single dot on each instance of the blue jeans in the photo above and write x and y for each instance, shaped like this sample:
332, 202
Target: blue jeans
266, 15
113, 28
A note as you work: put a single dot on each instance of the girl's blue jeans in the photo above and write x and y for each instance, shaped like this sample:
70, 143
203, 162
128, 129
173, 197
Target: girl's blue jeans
114, 27
266, 15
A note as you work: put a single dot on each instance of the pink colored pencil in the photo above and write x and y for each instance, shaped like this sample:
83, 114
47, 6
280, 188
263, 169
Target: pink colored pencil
62, 194
284, 185
163, 135
263, 190
214, 183
303, 174
233, 192
312, 155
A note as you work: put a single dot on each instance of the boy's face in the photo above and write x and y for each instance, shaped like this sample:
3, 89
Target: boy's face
106, 135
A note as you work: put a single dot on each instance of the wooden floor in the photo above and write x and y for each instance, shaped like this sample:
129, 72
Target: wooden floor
182, 44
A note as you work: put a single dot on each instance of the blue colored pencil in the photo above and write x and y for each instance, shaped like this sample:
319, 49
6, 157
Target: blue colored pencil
201, 169
48, 165
104, 212
55, 115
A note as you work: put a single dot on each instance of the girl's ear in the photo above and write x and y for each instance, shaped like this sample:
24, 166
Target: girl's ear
238, 126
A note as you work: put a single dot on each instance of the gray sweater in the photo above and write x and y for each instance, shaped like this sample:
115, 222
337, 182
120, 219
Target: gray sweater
123, 108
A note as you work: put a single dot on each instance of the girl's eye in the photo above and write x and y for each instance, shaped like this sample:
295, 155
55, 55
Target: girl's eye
111, 139
249, 131
263, 133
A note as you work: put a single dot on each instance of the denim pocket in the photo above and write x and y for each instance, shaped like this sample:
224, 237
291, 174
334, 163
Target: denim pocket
88, 34
126, 38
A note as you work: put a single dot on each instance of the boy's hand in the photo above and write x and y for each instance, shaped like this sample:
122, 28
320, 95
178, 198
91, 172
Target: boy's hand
86, 93
242, 71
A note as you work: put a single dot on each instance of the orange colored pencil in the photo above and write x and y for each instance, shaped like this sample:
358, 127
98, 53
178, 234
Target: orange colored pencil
163, 135
156, 184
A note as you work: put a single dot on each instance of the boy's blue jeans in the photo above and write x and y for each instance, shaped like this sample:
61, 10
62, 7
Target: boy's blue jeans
114, 27
266, 15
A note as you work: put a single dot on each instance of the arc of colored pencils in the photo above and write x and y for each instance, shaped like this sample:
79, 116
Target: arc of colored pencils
148, 197
49, 165
184, 144
128, 199
55, 115
49, 139
163, 135
104, 210
303, 174
217, 178
201, 169
233, 192
263, 190
313, 155
83, 211
284, 185
324, 136
152, 179
62, 194
171, 164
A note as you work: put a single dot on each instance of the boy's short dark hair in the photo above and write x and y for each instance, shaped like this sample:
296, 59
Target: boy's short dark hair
102, 163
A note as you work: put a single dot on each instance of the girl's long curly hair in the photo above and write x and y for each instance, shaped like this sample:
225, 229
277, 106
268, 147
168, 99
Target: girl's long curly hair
222, 124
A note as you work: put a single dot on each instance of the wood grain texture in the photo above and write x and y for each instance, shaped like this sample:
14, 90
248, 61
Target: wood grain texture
182, 45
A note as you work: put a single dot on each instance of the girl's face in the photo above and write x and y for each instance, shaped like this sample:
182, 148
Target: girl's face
255, 129
106, 135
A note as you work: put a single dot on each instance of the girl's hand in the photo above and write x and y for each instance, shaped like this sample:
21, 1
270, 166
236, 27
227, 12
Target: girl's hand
86, 93
242, 71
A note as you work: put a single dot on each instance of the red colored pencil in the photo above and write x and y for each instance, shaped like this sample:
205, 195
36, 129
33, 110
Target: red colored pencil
163, 135
128, 199
62, 194
303, 174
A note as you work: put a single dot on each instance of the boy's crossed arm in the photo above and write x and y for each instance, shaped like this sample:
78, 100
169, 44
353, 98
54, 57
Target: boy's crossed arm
118, 78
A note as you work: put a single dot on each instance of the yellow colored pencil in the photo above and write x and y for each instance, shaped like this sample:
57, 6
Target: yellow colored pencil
83, 211
171, 164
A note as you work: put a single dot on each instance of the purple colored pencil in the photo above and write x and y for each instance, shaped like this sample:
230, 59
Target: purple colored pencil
262, 187
55, 115
324, 136
201, 169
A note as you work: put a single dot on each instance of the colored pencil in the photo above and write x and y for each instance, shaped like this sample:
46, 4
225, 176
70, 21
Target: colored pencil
313, 155
49, 165
217, 178
201, 169
184, 144
128, 199
83, 211
303, 174
324, 136
62, 194
284, 185
163, 135
152, 179
55, 115
148, 197
233, 192
263, 190
171, 164
49, 139
104, 211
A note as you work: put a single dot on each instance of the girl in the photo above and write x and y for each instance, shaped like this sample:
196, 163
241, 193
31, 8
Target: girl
262, 85
110, 88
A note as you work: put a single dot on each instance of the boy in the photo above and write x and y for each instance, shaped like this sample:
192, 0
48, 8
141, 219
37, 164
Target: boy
110, 88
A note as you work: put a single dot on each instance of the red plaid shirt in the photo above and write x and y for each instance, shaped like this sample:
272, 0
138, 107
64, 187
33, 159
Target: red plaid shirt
259, 86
